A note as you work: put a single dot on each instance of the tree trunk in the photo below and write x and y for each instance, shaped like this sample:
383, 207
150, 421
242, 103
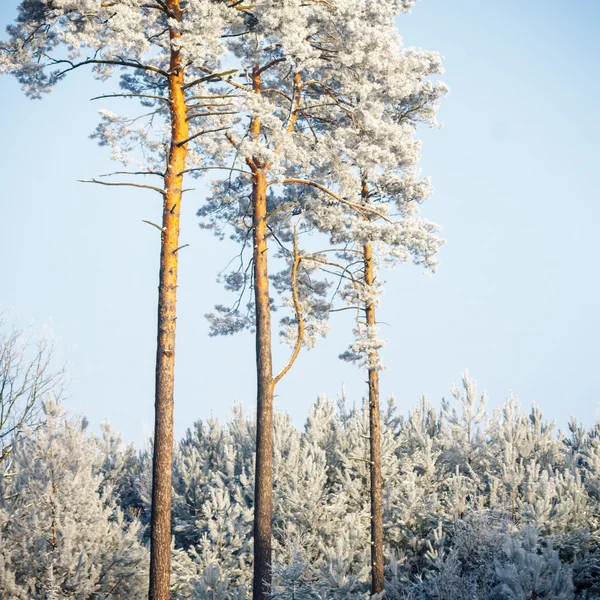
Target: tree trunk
263, 486
160, 525
377, 578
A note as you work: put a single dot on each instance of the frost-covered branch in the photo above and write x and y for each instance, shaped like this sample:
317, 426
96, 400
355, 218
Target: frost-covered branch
322, 188
28, 377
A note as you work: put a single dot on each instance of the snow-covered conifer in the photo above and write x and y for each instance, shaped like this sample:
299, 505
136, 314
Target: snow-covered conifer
530, 571
213, 481
62, 534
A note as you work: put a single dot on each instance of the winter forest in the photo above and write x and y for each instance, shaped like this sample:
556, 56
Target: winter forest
303, 121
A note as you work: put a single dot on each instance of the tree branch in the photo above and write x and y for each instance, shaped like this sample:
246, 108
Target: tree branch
163, 98
212, 168
297, 309
132, 173
153, 225
322, 188
269, 65
193, 137
120, 63
208, 77
136, 185
229, 81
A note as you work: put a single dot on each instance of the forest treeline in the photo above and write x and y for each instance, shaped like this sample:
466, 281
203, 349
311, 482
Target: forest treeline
477, 504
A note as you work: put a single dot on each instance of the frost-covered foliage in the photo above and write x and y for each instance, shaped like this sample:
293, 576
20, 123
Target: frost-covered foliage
321, 97
27, 378
527, 571
487, 562
328, 108
369, 168
62, 534
128, 473
476, 505
130, 41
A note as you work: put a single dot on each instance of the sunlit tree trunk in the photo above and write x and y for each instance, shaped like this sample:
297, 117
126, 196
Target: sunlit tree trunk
377, 576
160, 526
263, 490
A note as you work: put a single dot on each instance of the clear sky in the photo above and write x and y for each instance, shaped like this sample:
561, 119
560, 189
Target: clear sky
515, 170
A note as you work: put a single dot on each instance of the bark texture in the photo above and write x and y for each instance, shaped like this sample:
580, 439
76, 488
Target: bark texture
377, 577
160, 526
263, 490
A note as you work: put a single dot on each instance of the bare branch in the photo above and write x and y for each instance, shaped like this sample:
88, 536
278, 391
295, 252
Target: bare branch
148, 96
297, 309
26, 379
213, 97
136, 185
279, 92
219, 78
210, 77
212, 114
212, 168
153, 225
269, 65
132, 173
193, 137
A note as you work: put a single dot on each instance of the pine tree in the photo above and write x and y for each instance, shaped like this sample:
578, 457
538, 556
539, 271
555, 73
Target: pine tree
62, 534
123, 470
213, 483
164, 48
528, 571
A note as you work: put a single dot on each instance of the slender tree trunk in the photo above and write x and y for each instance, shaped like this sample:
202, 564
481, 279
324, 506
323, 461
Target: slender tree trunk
263, 486
377, 577
160, 525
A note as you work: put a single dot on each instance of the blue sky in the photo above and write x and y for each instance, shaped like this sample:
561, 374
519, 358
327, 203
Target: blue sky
515, 170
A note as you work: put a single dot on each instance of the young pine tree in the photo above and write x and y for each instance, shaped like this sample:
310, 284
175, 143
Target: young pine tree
62, 534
